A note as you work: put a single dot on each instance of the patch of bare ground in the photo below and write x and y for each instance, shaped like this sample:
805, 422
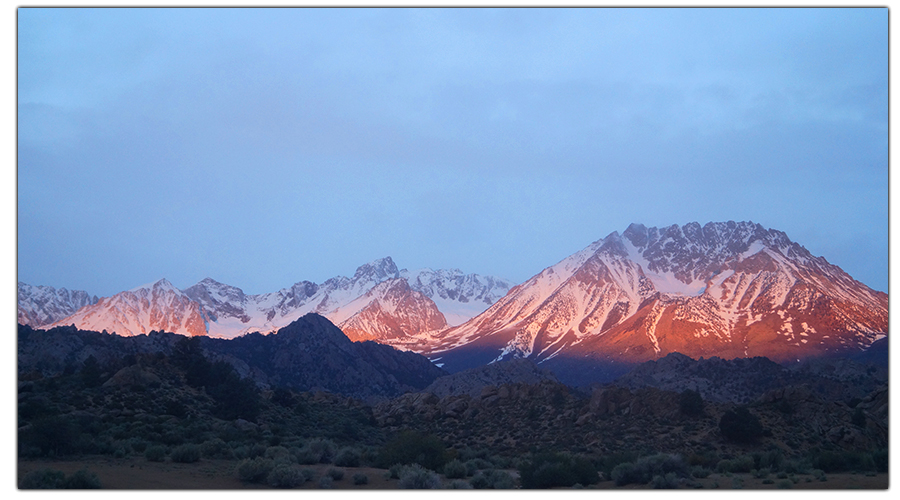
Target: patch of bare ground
136, 473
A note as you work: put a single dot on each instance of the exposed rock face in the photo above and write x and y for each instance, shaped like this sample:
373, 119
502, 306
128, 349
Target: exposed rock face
393, 311
42, 305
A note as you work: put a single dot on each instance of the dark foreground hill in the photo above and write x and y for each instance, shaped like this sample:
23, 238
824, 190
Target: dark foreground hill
309, 354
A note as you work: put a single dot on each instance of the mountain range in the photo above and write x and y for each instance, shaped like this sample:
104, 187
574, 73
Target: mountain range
730, 289
379, 303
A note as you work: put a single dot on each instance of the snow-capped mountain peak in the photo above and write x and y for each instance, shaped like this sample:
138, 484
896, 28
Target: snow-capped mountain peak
725, 289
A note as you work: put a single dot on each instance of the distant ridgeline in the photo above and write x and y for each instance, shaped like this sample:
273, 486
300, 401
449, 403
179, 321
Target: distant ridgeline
310, 354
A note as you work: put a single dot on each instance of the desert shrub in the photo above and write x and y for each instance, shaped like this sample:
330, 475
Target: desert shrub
283, 397
347, 457
475, 464
325, 482
308, 474
740, 426
785, 484
254, 470
608, 462
549, 470
416, 477
772, 459
155, 453
359, 478
285, 475
737, 483
741, 464
277, 453
842, 461
216, 448
455, 469
306, 456
335, 473
53, 435
43, 479
492, 479
819, 474
699, 472
82, 480
667, 481
643, 470
394, 471
690, 403
186, 453
409, 447
458, 484
322, 449
137, 445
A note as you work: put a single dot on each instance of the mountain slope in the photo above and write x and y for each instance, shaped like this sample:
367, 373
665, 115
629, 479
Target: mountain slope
726, 289
43, 305
155, 306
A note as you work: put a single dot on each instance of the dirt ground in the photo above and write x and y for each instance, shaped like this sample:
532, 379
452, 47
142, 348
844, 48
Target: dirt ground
138, 473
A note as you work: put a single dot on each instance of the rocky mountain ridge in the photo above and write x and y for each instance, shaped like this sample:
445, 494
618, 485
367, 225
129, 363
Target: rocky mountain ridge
310, 354
379, 302
731, 290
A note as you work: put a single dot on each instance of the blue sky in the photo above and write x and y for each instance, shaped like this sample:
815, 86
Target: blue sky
266, 147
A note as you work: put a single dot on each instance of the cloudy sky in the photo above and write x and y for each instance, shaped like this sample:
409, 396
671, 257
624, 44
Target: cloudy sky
265, 147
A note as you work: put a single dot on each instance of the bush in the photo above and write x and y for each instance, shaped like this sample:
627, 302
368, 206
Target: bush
458, 484
82, 480
412, 447
699, 471
285, 475
740, 426
455, 469
359, 478
277, 452
785, 484
325, 482
254, 470
216, 448
43, 479
642, 471
549, 470
322, 449
335, 473
306, 456
741, 464
347, 457
156, 453
492, 479
843, 461
690, 403
475, 464
186, 454
54, 479
668, 481
416, 477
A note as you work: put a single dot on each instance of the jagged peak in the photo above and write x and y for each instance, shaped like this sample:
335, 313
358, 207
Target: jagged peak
162, 284
377, 270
